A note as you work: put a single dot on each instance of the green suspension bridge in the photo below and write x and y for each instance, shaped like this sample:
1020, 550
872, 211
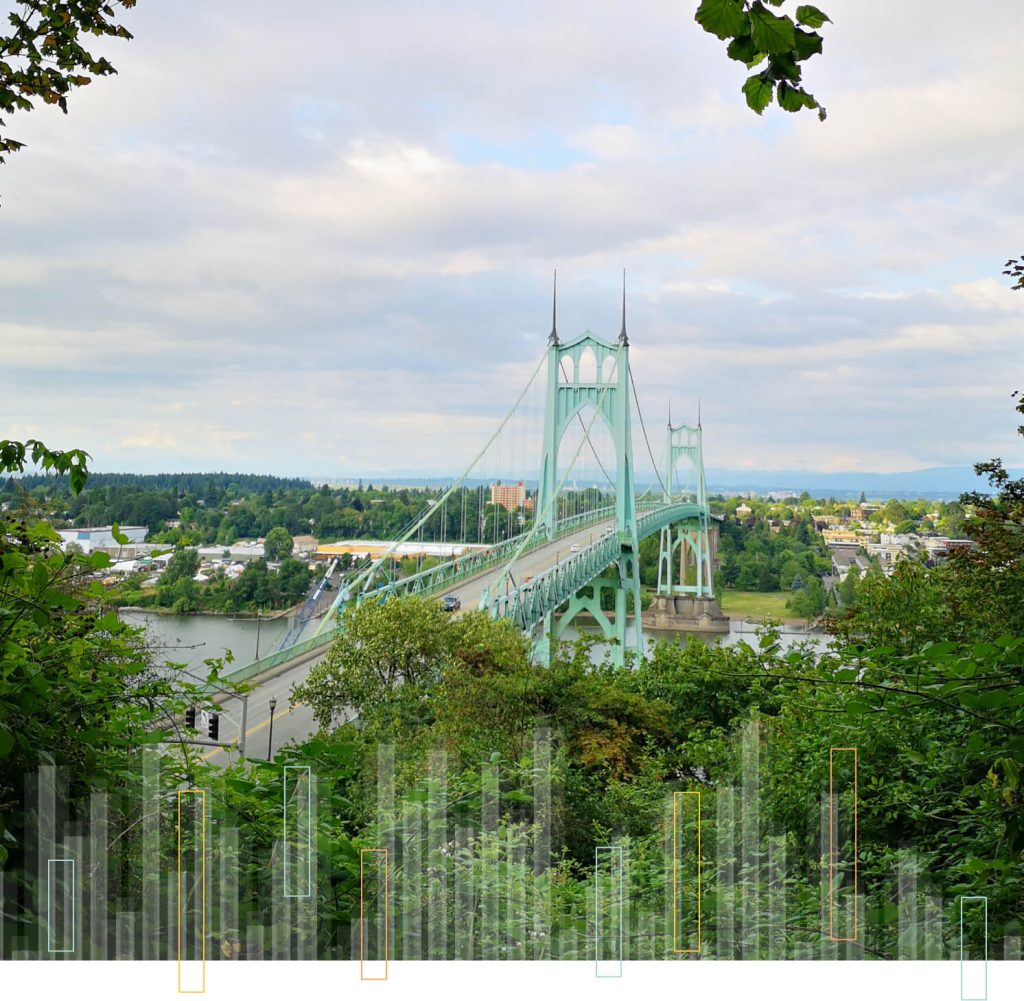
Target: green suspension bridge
572, 554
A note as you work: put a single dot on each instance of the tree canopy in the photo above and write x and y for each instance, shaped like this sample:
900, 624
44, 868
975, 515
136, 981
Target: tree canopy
43, 55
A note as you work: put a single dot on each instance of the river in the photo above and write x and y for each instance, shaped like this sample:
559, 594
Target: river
191, 639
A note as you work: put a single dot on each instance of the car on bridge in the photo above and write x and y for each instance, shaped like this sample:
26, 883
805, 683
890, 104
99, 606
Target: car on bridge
451, 603
574, 549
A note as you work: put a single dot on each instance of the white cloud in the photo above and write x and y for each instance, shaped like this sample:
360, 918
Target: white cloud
271, 240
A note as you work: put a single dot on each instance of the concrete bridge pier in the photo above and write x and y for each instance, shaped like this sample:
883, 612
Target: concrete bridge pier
686, 613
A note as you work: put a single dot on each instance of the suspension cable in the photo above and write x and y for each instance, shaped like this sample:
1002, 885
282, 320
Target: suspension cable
368, 574
541, 516
643, 428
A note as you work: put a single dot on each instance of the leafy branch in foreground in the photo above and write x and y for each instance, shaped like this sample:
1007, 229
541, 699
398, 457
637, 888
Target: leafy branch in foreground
42, 56
1015, 270
781, 43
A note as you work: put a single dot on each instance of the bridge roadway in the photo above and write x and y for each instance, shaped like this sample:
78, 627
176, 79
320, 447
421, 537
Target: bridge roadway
296, 722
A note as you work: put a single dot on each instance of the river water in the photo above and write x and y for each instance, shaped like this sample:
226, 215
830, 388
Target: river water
191, 639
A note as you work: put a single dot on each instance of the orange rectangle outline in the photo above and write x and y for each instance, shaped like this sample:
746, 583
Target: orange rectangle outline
675, 866
363, 851
202, 901
831, 847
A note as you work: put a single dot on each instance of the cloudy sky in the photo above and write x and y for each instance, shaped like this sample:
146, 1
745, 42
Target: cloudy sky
321, 242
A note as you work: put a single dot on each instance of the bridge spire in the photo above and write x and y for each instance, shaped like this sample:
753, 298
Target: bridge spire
670, 412
553, 336
623, 339
698, 413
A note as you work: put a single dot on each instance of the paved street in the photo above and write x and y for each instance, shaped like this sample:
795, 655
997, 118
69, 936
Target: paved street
295, 722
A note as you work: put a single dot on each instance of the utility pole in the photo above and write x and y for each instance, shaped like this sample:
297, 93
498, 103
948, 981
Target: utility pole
259, 616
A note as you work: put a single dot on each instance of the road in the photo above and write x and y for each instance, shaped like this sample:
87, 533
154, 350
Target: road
295, 722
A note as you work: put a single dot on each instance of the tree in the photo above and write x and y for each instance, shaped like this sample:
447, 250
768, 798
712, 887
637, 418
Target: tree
42, 55
278, 544
388, 653
755, 36
293, 580
182, 564
848, 586
77, 685
810, 601
1015, 269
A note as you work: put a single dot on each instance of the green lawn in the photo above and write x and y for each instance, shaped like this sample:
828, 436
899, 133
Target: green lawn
755, 604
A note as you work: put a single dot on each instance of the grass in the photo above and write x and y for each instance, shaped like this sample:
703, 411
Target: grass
755, 604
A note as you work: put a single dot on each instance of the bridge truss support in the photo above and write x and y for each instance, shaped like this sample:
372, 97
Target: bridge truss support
623, 580
590, 372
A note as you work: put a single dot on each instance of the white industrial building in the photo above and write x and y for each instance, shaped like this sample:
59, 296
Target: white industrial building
91, 539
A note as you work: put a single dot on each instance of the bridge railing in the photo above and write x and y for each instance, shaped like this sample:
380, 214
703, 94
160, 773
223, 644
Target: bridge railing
424, 583
527, 603
444, 575
251, 670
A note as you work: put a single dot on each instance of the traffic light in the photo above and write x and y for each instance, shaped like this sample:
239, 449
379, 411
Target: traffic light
214, 728
190, 717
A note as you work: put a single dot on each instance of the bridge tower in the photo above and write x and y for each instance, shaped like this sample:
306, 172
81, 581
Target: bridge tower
690, 539
679, 604
568, 392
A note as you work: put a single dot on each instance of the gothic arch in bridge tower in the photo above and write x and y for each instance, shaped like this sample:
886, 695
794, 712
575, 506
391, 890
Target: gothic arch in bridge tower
599, 379
682, 603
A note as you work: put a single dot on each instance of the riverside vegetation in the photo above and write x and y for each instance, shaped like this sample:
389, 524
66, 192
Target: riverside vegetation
924, 676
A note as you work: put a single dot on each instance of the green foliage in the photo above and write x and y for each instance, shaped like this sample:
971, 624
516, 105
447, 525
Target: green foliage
184, 564
77, 686
14, 454
278, 544
293, 579
757, 35
42, 56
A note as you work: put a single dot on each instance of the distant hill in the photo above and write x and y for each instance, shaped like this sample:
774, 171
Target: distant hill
939, 481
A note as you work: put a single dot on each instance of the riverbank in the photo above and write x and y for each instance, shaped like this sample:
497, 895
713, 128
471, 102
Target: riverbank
280, 613
759, 607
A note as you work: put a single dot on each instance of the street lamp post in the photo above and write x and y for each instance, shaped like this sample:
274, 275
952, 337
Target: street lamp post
259, 618
270, 735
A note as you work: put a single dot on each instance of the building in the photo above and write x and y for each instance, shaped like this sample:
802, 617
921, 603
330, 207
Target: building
510, 497
303, 545
91, 539
840, 537
362, 549
742, 510
844, 558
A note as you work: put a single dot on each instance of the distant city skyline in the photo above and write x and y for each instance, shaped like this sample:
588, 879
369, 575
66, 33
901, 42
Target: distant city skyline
255, 248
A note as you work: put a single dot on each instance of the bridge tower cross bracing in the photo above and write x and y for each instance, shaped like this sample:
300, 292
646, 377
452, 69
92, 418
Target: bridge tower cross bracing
608, 393
690, 539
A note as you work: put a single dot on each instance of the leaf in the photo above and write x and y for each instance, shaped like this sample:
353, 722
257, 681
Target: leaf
808, 43
742, 49
793, 98
758, 93
724, 18
6, 742
771, 33
784, 67
119, 537
811, 16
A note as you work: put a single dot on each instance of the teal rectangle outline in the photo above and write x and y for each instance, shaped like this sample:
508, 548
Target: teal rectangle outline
597, 911
309, 831
984, 997
49, 908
